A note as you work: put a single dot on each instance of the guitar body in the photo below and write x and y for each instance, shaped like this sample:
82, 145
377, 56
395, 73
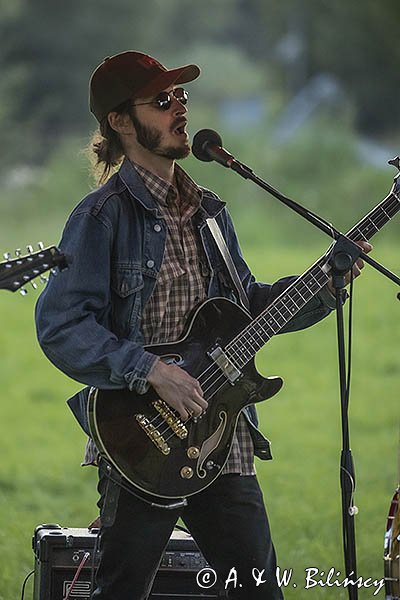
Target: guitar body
151, 447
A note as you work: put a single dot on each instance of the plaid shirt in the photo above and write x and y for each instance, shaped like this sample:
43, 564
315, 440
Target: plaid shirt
182, 282
183, 279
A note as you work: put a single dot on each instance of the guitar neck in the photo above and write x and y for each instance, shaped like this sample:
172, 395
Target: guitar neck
274, 318
377, 217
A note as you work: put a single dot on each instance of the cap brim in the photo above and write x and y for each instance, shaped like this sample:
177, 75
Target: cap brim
164, 80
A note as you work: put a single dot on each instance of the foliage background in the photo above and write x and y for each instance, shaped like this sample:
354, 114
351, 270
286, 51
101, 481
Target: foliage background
307, 94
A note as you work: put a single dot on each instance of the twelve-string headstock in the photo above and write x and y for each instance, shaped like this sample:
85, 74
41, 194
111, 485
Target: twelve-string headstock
18, 271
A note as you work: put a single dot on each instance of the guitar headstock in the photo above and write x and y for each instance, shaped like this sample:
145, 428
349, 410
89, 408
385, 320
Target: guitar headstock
16, 272
395, 162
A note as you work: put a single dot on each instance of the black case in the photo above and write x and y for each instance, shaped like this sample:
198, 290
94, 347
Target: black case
60, 550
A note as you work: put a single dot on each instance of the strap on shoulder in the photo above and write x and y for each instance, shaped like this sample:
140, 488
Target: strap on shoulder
223, 248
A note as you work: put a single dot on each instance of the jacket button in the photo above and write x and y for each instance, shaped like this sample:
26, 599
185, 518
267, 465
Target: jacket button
150, 264
157, 227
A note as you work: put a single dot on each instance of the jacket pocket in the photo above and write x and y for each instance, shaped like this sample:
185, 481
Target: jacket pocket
126, 292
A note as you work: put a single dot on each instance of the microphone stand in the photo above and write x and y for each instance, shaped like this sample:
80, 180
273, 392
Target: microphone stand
307, 214
344, 254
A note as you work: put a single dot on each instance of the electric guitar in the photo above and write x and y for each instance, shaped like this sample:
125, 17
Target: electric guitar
147, 441
15, 273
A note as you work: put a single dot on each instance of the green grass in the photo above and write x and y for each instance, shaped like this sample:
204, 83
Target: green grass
41, 445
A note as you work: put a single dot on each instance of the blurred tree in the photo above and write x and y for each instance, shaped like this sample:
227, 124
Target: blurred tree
359, 49
351, 40
49, 49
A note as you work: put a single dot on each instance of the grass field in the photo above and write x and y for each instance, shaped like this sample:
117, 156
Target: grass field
41, 445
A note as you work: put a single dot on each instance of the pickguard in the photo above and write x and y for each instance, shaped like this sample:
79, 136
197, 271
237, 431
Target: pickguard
210, 444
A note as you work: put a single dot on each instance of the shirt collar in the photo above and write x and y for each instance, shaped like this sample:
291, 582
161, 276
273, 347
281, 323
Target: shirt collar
134, 183
163, 191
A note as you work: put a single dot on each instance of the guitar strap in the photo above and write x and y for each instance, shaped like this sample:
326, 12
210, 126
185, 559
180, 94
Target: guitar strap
230, 265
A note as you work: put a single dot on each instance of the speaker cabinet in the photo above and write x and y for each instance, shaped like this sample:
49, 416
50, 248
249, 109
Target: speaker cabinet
61, 551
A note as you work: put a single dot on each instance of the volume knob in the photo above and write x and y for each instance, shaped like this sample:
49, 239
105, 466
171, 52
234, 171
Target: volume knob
186, 472
193, 452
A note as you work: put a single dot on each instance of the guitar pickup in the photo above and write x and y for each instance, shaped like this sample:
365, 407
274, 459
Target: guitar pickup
230, 371
153, 434
171, 419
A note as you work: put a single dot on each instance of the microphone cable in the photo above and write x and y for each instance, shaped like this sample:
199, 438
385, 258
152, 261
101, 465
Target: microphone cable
24, 584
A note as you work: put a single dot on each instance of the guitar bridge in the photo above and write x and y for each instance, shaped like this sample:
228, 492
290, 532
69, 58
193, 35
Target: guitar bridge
230, 371
171, 419
154, 435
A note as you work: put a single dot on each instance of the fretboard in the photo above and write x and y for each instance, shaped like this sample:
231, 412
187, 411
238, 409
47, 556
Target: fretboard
274, 318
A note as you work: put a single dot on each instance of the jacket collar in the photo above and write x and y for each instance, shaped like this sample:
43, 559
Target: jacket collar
136, 187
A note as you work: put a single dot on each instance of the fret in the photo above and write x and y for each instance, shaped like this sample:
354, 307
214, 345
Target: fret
245, 355
284, 311
357, 235
373, 225
271, 322
279, 309
273, 318
298, 292
253, 335
386, 214
378, 217
278, 314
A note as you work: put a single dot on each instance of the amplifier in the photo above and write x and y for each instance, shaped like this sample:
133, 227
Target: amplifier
60, 552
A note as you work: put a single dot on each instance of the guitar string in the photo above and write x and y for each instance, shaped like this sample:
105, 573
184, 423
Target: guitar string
220, 378
220, 375
235, 354
378, 216
215, 371
352, 232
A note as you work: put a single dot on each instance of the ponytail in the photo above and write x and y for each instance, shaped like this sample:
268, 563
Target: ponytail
107, 147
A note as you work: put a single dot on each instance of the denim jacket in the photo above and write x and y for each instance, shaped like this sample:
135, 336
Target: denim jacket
88, 317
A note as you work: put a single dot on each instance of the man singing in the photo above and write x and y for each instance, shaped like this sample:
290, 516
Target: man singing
143, 258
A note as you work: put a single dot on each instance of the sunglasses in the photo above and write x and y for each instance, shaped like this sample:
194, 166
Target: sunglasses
164, 99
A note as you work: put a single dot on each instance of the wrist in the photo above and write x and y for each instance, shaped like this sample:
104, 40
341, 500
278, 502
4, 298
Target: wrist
155, 373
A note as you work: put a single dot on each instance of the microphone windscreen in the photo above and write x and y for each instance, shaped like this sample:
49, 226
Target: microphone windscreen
201, 140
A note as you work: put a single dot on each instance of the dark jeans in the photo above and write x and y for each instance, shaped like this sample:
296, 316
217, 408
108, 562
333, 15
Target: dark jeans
227, 520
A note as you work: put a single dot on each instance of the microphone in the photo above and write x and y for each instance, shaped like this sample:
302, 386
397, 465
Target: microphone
207, 146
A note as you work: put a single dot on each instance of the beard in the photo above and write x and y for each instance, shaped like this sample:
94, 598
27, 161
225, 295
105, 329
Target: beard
150, 138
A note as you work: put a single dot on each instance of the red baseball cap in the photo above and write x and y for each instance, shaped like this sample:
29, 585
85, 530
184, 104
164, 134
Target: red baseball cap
131, 74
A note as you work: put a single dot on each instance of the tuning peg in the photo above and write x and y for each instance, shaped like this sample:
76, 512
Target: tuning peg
7, 255
54, 272
40, 245
29, 249
395, 162
18, 252
23, 292
34, 285
43, 279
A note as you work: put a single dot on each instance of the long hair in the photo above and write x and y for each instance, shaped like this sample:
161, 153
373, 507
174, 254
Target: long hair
107, 147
